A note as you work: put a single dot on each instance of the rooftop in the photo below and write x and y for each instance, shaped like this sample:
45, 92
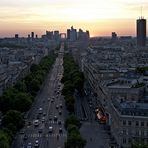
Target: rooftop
131, 108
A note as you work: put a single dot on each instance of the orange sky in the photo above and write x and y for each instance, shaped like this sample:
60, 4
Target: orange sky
97, 16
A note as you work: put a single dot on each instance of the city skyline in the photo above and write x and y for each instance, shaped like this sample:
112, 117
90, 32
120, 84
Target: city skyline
100, 18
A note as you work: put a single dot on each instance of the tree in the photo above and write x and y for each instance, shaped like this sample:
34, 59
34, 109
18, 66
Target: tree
22, 102
14, 118
7, 100
34, 68
139, 145
72, 120
34, 86
4, 142
72, 128
75, 140
21, 86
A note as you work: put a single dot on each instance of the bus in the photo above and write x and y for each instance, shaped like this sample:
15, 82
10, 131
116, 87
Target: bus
101, 116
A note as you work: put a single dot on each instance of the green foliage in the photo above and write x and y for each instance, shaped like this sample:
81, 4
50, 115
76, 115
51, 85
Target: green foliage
18, 100
72, 79
22, 102
72, 120
34, 68
4, 141
139, 145
21, 86
75, 140
72, 129
13, 119
7, 100
141, 70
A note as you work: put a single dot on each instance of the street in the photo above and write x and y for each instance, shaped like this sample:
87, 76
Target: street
44, 125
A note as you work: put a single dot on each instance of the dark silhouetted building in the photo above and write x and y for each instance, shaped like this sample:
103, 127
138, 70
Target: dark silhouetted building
141, 32
56, 35
68, 34
114, 36
16, 36
49, 35
32, 35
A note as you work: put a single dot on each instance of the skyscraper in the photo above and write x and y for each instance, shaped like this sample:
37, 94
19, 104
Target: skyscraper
32, 35
141, 32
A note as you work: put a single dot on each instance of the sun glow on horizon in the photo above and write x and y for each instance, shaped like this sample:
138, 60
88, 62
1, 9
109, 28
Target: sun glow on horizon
95, 15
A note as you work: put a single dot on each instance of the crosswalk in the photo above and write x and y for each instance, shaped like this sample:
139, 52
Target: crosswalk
37, 135
55, 122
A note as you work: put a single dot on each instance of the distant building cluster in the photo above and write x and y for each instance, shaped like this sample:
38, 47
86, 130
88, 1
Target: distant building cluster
15, 63
110, 66
73, 35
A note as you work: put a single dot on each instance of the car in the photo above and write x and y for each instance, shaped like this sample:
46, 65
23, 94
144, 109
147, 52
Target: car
22, 132
43, 119
60, 112
61, 105
36, 143
40, 130
55, 118
29, 145
29, 123
57, 106
50, 129
40, 110
50, 118
44, 114
36, 122
60, 130
59, 122
38, 116
25, 137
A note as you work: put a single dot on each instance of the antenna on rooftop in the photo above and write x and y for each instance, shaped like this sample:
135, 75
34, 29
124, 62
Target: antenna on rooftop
141, 12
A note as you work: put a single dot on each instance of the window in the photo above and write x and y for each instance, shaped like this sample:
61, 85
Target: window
137, 123
129, 140
124, 132
129, 123
124, 140
142, 123
137, 133
124, 122
142, 133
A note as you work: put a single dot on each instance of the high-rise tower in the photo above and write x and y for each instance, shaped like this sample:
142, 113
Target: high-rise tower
141, 32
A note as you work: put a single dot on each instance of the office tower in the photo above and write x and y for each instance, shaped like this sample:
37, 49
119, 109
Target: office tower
56, 35
83, 35
141, 32
49, 35
32, 35
16, 36
68, 34
87, 33
73, 34
114, 36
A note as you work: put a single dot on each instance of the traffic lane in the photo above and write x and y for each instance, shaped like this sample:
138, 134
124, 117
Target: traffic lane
30, 132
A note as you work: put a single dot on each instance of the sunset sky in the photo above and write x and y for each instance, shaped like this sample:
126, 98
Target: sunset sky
100, 17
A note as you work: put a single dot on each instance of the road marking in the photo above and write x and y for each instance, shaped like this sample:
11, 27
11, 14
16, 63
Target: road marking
36, 135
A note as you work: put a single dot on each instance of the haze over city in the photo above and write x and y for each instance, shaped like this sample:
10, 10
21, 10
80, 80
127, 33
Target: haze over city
97, 16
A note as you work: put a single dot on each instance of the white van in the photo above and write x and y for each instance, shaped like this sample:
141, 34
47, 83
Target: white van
36, 122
